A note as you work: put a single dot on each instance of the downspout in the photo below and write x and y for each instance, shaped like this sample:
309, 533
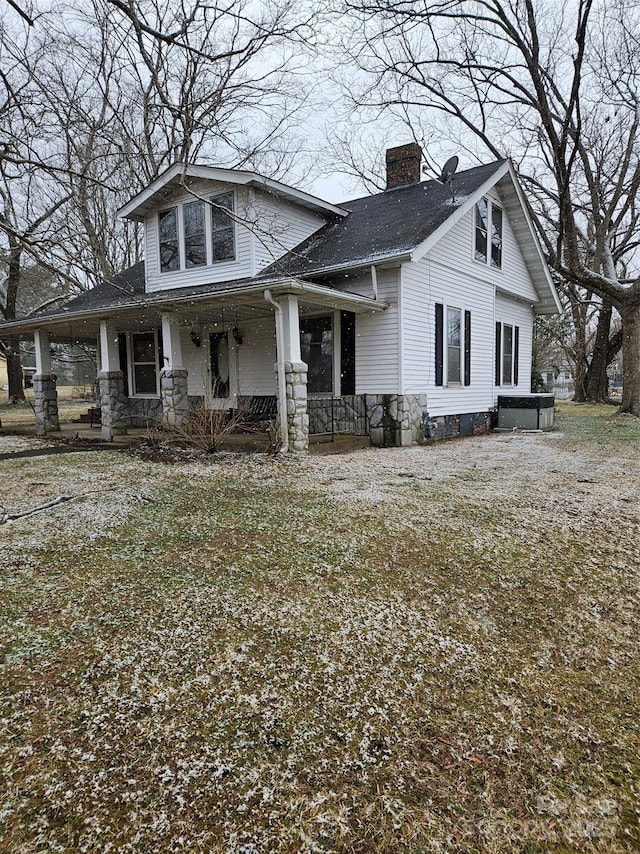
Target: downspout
282, 381
374, 281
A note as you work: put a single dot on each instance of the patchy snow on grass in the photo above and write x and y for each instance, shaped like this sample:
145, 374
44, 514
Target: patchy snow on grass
424, 649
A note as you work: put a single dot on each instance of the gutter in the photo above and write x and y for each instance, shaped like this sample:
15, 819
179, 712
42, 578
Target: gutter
282, 380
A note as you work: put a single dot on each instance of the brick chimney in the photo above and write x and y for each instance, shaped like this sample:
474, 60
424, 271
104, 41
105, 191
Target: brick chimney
403, 165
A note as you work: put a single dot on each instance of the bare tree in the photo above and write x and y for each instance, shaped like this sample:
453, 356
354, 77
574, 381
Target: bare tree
100, 98
553, 85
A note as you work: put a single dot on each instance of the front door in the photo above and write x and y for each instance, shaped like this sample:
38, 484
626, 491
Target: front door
219, 356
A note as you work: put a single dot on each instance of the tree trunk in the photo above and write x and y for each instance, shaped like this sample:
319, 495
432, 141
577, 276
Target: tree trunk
630, 358
14, 371
597, 382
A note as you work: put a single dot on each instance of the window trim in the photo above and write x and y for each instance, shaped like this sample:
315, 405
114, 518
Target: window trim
500, 354
212, 199
179, 208
488, 260
441, 346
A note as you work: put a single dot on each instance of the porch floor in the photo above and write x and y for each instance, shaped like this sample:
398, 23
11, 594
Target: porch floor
247, 442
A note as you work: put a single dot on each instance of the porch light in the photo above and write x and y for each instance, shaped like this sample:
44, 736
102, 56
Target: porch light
237, 336
195, 337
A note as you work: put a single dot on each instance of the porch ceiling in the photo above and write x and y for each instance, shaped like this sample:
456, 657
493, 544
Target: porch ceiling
231, 307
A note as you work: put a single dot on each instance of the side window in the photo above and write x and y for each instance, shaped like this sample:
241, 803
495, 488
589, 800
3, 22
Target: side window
168, 234
507, 354
222, 228
454, 344
453, 356
496, 236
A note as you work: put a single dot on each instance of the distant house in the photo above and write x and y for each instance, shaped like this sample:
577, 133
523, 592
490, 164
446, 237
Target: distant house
392, 315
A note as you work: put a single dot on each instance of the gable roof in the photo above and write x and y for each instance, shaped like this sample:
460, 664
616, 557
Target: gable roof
178, 174
389, 225
404, 223
397, 225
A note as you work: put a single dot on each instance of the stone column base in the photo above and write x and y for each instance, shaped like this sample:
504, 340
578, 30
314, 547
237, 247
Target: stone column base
297, 416
395, 419
114, 404
46, 404
175, 400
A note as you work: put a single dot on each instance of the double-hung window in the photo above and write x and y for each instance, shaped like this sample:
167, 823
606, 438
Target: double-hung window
453, 352
507, 353
488, 232
145, 367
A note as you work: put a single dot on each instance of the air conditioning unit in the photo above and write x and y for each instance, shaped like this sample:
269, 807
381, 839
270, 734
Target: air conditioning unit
525, 412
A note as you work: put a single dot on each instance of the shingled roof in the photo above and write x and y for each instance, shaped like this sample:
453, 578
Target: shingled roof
386, 226
389, 224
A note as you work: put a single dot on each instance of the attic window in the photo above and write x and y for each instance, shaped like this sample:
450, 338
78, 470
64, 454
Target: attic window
488, 232
197, 233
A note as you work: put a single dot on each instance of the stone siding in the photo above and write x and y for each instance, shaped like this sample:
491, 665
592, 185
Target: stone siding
145, 411
395, 419
45, 403
114, 404
297, 417
174, 396
450, 426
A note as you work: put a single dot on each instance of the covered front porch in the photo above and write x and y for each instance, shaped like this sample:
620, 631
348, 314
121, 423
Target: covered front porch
285, 351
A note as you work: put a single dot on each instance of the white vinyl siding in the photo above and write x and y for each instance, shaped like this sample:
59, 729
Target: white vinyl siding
377, 336
257, 358
280, 226
512, 313
424, 284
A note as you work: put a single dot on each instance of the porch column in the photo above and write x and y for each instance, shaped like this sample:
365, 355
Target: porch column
173, 376
113, 400
295, 376
44, 386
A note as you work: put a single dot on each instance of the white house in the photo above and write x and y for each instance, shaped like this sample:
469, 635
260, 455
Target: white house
394, 315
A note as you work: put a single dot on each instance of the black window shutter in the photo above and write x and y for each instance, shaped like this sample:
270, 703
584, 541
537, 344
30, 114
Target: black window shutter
439, 343
498, 352
516, 353
467, 348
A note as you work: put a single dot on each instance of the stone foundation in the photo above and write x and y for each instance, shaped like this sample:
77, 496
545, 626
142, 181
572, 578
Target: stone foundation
114, 404
395, 419
45, 403
297, 417
450, 426
174, 396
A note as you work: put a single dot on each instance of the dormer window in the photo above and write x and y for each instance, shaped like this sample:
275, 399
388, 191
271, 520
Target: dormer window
195, 234
169, 247
222, 230
488, 232
195, 248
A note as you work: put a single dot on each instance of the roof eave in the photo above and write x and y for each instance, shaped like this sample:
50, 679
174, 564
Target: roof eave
137, 208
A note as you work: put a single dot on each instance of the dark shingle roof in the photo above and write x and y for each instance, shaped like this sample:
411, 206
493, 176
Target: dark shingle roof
377, 227
384, 225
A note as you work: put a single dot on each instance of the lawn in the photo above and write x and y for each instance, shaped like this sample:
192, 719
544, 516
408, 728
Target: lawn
426, 649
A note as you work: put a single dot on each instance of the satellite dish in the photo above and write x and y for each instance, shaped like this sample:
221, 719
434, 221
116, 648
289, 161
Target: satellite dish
448, 170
